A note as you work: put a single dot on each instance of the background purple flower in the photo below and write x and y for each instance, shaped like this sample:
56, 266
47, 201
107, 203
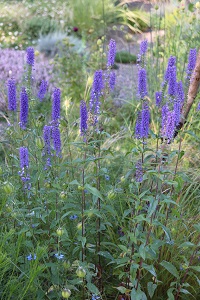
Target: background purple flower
111, 53
158, 97
56, 105
12, 98
83, 117
112, 80
23, 108
42, 89
30, 56
143, 47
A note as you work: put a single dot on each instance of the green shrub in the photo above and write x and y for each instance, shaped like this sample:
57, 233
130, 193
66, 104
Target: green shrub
38, 25
125, 57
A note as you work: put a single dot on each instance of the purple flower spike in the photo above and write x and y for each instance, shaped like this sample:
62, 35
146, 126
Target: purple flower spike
180, 92
12, 102
47, 139
47, 145
23, 108
138, 126
42, 90
191, 60
170, 126
172, 81
139, 171
56, 105
83, 118
112, 80
145, 120
30, 57
177, 112
142, 83
56, 140
23, 156
158, 97
171, 63
24, 165
111, 53
143, 47
96, 93
165, 110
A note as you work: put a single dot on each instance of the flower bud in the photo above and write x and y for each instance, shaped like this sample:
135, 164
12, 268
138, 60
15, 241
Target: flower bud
80, 272
66, 293
66, 264
59, 231
63, 195
111, 195
79, 226
39, 143
8, 188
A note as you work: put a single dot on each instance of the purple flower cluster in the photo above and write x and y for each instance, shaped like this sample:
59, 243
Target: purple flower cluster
83, 118
24, 107
191, 60
142, 122
56, 140
24, 165
12, 98
172, 81
51, 133
158, 97
30, 56
112, 80
143, 47
96, 93
171, 63
111, 53
42, 90
139, 171
56, 106
142, 83
12, 66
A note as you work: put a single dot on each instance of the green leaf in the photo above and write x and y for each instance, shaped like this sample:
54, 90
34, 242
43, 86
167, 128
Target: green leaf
74, 182
184, 291
151, 287
122, 289
152, 208
106, 254
186, 244
196, 268
150, 269
142, 251
170, 294
170, 268
93, 191
92, 288
138, 295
